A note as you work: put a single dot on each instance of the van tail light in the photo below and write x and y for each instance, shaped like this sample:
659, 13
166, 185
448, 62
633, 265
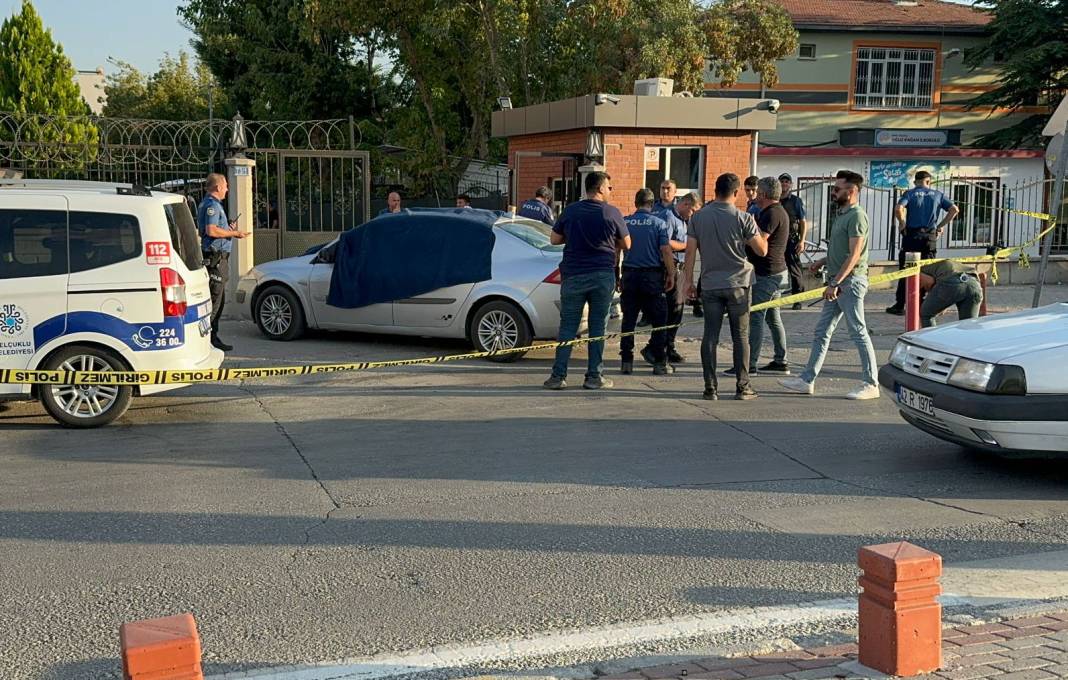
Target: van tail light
553, 278
173, 288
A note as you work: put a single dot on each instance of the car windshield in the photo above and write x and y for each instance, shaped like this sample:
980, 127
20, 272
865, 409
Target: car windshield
534, 233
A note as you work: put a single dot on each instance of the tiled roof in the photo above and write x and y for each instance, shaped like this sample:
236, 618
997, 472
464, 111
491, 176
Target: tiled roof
925, 15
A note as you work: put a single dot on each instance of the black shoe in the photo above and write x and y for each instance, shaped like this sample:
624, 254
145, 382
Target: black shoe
662, 369
796, 307
219, 344
554, 382
774, 367
674, 357
698, 311
710, 394
647, 354
745, 394
598, 383
626, 367
895, 310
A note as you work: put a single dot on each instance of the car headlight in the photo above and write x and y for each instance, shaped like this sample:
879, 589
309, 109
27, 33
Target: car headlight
980, 376
900, 353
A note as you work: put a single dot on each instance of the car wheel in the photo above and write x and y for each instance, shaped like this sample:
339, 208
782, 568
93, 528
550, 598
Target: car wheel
500, 325
279, 314
85, 405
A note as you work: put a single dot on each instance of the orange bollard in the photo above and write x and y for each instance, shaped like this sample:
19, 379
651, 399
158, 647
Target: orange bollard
912, 294
161, 649
900, 617
982, 284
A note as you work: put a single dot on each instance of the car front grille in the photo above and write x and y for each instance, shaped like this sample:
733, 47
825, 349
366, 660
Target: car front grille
929, 364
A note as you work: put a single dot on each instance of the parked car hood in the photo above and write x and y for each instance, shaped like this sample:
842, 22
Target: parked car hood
999, 337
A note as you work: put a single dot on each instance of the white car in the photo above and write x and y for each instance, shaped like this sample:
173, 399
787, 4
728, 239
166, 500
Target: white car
99, 277
518, 304
997, 383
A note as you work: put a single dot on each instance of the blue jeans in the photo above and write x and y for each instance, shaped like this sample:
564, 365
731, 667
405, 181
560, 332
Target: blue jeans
594, 289
766, 289
850, 304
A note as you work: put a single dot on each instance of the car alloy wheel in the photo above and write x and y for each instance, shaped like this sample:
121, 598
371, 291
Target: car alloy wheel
85, 401
276, 314
498, 330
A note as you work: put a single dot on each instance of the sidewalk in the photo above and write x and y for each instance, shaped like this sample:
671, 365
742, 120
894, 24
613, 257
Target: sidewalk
1033, 648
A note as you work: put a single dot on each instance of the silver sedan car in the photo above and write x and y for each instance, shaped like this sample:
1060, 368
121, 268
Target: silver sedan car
518, 304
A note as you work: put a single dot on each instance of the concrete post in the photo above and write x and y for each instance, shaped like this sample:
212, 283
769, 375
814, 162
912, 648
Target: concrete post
239, 204
585, 170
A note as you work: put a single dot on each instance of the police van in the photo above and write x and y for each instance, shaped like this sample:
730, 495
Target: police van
99, 277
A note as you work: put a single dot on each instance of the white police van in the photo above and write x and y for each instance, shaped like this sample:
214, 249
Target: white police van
99, 277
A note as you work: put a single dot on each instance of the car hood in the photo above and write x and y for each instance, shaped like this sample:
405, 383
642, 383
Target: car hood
999, 337
290, 266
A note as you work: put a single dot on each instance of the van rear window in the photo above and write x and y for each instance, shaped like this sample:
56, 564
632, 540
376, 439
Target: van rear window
184, 235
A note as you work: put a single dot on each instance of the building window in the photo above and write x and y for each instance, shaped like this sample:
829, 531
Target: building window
894, 78
806, 51
684, 164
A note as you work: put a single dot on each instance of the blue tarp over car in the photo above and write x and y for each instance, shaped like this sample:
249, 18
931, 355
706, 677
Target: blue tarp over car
394, 257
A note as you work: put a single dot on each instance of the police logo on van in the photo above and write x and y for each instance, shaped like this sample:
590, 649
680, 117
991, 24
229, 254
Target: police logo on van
12, 320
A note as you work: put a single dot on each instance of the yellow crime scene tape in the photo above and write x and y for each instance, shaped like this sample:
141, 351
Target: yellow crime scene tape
165, 377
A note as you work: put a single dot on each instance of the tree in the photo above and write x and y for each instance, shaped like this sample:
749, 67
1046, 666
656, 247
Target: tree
179, 90
1031, 37
37, 79
751, 34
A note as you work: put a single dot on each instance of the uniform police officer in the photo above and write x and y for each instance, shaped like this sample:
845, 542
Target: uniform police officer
917, 222
538, 208
676, 216
648, 274
949, 283
795, 245
216, 235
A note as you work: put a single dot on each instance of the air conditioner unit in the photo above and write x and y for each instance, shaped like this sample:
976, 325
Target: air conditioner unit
653, 87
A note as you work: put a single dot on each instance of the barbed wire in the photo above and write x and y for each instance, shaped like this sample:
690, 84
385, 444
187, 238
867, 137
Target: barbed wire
79, 139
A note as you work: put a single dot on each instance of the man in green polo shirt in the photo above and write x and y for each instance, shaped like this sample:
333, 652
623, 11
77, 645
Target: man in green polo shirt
847, 285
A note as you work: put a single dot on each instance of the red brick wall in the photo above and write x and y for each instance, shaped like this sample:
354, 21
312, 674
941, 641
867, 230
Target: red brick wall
725, 151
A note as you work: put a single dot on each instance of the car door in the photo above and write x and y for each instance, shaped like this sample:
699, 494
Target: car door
33, 278
436, 309
327, 316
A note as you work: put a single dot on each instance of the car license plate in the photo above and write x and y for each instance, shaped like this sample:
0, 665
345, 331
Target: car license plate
914, 400
204, 326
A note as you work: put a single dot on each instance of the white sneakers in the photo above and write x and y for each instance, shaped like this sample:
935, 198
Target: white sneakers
865, 391
798, 385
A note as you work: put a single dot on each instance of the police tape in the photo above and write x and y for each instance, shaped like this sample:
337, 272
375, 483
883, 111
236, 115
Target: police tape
187, 377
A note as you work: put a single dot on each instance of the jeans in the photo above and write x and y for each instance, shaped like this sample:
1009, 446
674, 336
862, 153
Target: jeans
643, 291
594, 289
914, 241
963, 291
766, 289
850, 304
735, 303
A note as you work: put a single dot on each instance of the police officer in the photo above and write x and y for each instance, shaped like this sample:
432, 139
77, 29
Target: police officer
917, 215
949, 283
538, 208
676, 216
216, 235
795, 245
648, 275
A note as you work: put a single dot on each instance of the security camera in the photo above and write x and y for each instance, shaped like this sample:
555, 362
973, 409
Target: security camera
603, 98
773, 105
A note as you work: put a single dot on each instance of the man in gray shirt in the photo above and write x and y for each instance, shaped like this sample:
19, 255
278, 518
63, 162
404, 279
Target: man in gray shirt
720, 232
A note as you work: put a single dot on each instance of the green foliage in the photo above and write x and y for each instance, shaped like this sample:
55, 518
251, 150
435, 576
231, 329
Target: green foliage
36, 78
1032, 38
179, 90
751, 34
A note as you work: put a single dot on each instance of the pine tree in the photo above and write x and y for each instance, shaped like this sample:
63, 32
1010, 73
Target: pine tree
37, 79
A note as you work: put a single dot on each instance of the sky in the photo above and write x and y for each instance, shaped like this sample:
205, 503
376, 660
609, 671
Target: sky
136, 31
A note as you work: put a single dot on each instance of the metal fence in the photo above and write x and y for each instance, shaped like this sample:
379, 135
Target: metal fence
987, 214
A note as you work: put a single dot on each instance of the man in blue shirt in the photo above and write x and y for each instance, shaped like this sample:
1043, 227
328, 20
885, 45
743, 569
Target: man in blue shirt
648, 274
216, 234
752, 206
795, 245
592, 232
917, 223
538, 208
393, 204
677, 217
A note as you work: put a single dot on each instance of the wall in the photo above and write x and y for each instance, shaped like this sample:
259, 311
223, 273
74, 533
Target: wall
816, 93
535, 172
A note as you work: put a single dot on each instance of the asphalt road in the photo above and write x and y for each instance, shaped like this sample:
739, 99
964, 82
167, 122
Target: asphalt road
328, 517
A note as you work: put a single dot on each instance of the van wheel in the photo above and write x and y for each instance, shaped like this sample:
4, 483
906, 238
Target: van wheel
279, 314
85, 405
500, 325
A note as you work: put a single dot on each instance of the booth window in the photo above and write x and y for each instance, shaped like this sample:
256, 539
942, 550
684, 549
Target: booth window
684, 164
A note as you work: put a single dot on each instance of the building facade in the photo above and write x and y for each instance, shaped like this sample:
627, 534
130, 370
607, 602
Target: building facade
880, 87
